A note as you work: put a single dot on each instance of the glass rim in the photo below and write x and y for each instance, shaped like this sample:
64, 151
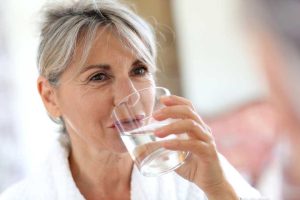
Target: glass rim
167, 91
147, 88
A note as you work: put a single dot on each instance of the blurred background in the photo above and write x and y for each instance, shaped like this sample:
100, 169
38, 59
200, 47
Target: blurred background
205, 54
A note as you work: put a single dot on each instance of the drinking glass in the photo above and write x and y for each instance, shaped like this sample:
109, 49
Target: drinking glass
133, 117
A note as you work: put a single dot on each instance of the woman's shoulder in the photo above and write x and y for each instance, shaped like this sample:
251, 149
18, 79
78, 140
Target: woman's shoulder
35, 185
13, 192
30, 188
50, 179
17, 191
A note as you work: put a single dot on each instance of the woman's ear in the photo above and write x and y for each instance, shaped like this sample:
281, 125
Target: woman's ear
49, 98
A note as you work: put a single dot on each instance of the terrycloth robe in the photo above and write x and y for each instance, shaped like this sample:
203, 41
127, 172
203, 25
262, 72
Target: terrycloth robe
54, 181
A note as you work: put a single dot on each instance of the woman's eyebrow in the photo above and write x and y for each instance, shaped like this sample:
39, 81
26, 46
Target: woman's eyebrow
137, 61
142, 62
97, 66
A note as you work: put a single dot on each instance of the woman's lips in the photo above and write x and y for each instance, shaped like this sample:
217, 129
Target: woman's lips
129, 123
112, 126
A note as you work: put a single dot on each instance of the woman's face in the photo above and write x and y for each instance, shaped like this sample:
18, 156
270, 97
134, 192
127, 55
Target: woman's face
86, 96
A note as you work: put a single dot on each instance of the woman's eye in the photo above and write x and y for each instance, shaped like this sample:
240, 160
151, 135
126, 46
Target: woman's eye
140, 71
99, 77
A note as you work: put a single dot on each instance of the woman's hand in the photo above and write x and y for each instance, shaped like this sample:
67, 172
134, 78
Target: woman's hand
203, 165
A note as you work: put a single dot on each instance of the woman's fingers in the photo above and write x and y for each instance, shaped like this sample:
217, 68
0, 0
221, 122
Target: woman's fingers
180, 112
177, 112
184, 107
196, 147
173, 100
188, 126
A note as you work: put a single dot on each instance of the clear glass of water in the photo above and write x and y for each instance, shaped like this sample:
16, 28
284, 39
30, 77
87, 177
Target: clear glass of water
134, 121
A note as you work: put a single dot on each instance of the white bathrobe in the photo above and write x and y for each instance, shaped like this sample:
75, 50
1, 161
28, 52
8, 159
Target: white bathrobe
54, 181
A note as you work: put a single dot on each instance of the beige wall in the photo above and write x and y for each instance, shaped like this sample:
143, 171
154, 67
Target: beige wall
217, 69
158, 13
204, 54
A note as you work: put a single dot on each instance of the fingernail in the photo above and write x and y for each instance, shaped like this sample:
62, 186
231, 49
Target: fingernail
158, 132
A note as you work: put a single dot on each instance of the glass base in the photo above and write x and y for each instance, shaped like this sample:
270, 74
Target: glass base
162, 161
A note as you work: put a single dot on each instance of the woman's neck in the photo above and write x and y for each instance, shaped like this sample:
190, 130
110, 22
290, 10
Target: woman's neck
101, 174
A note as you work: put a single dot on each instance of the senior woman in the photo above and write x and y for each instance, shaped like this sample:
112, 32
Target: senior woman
91, 55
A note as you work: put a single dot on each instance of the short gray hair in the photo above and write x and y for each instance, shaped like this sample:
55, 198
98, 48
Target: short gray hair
68, 23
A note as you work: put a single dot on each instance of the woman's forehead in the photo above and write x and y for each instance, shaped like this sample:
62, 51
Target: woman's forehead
106, 48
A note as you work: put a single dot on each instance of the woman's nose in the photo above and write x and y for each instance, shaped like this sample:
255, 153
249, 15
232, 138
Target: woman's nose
122, 91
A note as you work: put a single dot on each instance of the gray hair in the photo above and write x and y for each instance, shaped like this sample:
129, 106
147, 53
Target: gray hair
67, 24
